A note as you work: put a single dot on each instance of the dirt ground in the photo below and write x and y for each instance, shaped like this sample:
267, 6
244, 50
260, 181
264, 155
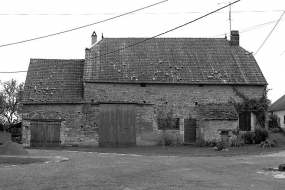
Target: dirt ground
126, 171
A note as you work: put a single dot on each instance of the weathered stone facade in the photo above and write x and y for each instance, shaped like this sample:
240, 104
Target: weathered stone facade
210, 129
76, 122
175, 75
182, 99
79, 125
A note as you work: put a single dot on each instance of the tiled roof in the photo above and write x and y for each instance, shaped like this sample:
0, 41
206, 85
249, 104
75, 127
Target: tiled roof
172, 60
54, 81
278, 105
218, 112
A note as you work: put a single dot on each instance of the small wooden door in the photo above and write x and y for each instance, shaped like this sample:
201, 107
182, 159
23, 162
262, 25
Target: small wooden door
45, 133
117, 125
189, 130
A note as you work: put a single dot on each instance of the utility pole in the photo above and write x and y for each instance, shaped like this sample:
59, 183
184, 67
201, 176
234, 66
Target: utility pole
230, 13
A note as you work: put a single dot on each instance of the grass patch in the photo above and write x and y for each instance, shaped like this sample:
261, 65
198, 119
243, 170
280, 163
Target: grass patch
20, 160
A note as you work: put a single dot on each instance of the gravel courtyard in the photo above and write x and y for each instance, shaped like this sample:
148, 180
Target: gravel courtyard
86, 170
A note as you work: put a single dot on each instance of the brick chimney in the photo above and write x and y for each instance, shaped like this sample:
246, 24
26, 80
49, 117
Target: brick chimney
234, 38
94, 38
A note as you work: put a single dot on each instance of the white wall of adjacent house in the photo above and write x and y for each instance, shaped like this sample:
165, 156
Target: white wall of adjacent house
252, 121
281, 115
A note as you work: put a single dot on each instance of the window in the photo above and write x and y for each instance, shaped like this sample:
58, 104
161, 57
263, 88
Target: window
169, 125
244, 121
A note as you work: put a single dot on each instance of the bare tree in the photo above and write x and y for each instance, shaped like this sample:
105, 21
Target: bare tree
11, 94
165, 121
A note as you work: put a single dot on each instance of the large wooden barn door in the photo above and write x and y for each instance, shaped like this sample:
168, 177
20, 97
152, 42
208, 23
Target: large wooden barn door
107, 125
189, 130
45, 133
117, 125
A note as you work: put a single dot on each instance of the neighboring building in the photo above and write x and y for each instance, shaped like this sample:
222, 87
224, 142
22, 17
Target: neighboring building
278, 108
113, 96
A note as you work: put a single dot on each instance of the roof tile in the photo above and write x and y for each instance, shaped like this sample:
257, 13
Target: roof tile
54, 81
172, 60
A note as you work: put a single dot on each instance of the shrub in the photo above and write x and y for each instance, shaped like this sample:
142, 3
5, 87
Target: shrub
260, 134
273, 121
1, 127
167, 141
213, 143
248, 137
274, 130
275, 141
221, 145
236, 143
268, 143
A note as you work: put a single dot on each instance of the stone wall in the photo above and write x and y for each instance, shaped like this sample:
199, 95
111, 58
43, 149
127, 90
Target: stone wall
182, 99
77, 125
209, 129
80, 126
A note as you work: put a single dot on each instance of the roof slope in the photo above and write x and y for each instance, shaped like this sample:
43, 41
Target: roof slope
172, 60
218, 112
54, 81
278, 105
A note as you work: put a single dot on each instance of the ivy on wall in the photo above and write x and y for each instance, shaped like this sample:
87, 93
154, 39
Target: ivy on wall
258, 106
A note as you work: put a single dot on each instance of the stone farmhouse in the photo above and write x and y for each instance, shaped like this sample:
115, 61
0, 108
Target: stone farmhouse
114, 95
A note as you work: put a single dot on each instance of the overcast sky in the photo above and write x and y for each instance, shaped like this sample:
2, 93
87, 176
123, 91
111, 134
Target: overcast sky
21, 20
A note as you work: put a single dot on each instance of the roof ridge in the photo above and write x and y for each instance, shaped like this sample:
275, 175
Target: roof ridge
57, 59
163, 38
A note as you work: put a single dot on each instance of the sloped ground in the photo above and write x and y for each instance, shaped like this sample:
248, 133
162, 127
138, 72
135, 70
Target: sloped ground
4, 137
11, 148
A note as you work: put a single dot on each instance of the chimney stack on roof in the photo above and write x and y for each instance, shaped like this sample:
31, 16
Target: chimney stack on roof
94, 38
234, 38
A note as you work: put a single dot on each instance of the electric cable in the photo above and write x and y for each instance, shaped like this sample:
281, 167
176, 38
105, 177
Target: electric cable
180, 26
251, 28
82, 26
91, 14
269, 34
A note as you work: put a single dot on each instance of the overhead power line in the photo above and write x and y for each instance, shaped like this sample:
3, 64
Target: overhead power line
134, 44
91, 14
269, 33
252, 27
180, 26
83, 26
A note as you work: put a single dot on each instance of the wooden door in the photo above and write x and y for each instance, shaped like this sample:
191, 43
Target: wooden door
107, 125
52, 132
117, 125
189, 130
126, 125
45, 133
244, 121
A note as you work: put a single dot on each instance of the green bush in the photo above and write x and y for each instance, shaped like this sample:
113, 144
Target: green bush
236, 143
274, 130
167, 141
273, 121
248, 137
268, 143
221, 145
213, 143
260, 134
